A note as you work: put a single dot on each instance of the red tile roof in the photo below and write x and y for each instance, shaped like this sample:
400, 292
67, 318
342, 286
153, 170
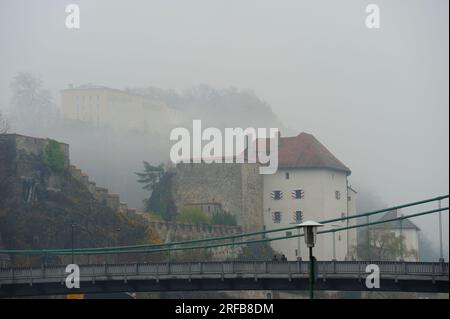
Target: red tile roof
305, 151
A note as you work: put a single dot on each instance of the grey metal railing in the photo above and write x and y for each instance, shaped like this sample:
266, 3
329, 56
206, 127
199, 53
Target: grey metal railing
136, 271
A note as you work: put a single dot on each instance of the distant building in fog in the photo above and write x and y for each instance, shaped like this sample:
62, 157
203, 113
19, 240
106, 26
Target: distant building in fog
404, 228
101, 106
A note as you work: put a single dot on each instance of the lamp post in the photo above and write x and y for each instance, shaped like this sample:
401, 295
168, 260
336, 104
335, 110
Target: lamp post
441, 252
72, 240
117, 242
310, 240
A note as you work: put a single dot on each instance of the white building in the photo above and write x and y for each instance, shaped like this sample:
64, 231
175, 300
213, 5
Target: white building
406, 229
101, 106
311, 184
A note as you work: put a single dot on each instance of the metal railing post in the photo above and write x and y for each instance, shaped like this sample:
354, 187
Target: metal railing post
401, 239
441, 252
368, 239
233, 253
299, 243
334, 245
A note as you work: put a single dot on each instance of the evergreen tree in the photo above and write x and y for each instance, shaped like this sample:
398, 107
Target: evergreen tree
150, 176
158, 182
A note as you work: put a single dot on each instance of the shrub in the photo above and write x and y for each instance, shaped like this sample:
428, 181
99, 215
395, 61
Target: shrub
54, 157
154, 216
193, 216
223, 219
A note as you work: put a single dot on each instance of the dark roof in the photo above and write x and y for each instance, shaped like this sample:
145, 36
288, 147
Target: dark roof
404, 223
302, 151
305, 151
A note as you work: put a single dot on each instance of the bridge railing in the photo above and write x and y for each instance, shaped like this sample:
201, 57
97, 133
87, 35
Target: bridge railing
324, 268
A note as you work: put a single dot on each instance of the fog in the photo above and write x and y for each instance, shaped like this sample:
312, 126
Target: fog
377, 98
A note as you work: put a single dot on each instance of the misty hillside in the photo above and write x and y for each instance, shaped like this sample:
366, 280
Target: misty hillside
111, 155
238, 108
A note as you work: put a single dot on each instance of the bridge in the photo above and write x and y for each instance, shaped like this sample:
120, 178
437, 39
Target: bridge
231, 275
167, 274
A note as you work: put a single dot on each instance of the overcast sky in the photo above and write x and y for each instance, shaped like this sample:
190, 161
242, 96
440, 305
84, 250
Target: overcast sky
377, 98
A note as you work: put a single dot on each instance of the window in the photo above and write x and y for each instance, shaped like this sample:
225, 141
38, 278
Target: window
276, 195
337, 194
298, 194
276, 217
298, 217
288, 234
287, 175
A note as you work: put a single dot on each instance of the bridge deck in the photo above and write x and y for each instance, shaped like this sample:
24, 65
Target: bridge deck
230, 275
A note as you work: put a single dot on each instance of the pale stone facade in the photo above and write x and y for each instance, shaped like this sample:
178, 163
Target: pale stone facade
318, 202
117, 109
237, 187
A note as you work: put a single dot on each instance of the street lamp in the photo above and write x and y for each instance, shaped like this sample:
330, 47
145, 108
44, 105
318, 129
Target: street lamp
73, 226
117, 242
310, 234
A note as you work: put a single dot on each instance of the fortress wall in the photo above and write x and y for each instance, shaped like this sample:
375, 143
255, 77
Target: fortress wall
15, 163
252, 196
202, 183
113, 201
237, 187
172, 231
100, 194
36, 146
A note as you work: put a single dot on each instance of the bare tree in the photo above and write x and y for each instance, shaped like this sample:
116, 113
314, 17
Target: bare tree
385, 244
32, 104
4, 124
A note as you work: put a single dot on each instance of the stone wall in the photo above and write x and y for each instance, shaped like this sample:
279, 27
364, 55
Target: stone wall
13, 145
172, 231
38, 204
22, 165
100, 194
36, 146
169, 231
252, 197
236, 187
